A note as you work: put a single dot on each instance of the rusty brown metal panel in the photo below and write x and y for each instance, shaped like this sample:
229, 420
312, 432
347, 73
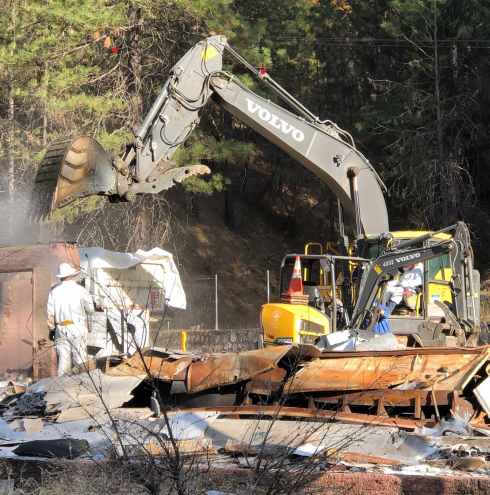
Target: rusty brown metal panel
267, 383
160, 368
440, 369
419, 351
234, 368
16, 326
353, 373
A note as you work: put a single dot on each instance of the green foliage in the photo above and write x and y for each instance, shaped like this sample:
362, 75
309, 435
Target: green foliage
368, 66
197, 185
72, 212
203, 147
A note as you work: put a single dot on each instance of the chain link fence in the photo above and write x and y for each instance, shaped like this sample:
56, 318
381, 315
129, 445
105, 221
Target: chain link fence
200, 294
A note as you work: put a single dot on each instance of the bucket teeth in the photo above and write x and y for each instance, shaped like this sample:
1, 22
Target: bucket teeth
70, 169
47, 179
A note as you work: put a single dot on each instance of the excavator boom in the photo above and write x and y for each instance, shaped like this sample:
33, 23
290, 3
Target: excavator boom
80, 167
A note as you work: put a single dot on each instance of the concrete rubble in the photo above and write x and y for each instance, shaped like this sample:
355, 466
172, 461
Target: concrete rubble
417, 411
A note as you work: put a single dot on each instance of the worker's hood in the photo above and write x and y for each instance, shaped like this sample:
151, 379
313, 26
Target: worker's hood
95, 257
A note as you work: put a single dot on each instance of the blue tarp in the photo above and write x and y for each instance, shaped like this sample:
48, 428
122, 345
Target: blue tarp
382, 323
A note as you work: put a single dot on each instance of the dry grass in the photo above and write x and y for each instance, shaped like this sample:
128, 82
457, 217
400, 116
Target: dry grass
76, 479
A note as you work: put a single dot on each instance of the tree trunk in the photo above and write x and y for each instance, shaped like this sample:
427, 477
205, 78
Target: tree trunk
266, 188
229, 203
135, 57
442, 168
11, 114
194, 206
10, 140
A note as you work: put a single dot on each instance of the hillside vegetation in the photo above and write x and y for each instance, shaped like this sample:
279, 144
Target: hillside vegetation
407, 78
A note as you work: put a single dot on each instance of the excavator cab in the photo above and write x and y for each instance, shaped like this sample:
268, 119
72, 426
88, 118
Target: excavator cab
437, 283
444, 309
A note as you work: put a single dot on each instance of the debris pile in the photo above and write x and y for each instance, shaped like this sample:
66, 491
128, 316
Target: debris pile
394, 409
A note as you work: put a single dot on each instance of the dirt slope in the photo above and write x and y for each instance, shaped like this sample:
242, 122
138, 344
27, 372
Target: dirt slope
240, 260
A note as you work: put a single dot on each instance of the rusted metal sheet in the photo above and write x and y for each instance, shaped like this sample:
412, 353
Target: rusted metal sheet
392, 398
267, 383
407, 370
235, 368
159, 368
353, 373
421, 351
386, 400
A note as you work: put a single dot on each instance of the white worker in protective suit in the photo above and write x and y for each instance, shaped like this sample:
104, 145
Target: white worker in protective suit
68, 307
408, 284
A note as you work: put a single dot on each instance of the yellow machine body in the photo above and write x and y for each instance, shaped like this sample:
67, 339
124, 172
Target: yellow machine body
286, 323
300, 323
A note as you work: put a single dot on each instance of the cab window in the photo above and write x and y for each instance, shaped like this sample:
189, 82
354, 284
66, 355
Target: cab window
375, 249
438, 267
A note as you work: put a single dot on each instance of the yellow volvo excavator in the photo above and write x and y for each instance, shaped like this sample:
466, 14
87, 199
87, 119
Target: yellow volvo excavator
441, 312
77, 168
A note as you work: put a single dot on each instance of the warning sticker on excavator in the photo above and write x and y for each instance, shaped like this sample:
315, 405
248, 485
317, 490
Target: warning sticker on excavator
378, 269
209, 53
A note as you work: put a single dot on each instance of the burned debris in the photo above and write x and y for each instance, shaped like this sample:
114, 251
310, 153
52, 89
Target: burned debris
388, 408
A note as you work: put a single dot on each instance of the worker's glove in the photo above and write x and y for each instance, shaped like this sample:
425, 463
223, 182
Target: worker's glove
52, 335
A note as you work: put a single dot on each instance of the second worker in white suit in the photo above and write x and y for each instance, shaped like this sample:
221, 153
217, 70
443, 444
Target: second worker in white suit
68, 307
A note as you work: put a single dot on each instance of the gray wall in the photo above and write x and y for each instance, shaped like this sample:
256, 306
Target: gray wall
235, 340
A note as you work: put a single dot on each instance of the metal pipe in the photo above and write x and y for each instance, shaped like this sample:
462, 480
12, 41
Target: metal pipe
425, 290
277, 88
324, 257
357, 206
354, 191
471, 288
422, 238
216, 301
268, 288
334, 295
150, 116
341, 219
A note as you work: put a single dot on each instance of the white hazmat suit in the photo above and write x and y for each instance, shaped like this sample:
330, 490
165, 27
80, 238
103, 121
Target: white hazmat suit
408, 282
68, 306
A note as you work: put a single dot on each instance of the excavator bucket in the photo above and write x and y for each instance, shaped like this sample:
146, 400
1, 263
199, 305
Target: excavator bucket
71, 169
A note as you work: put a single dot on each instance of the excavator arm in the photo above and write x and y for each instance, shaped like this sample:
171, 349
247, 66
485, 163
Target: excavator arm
397, 257
77, 168
388, 266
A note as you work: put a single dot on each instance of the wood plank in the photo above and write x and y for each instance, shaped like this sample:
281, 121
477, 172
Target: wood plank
418, 408
345, 404
380, 408
364, 458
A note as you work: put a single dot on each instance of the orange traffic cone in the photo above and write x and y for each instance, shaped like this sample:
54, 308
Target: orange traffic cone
296, 284
295, 295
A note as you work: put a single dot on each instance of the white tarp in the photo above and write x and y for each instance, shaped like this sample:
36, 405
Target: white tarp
94, 258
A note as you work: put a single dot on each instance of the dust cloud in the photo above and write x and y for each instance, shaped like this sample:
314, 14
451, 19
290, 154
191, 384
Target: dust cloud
18, 224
